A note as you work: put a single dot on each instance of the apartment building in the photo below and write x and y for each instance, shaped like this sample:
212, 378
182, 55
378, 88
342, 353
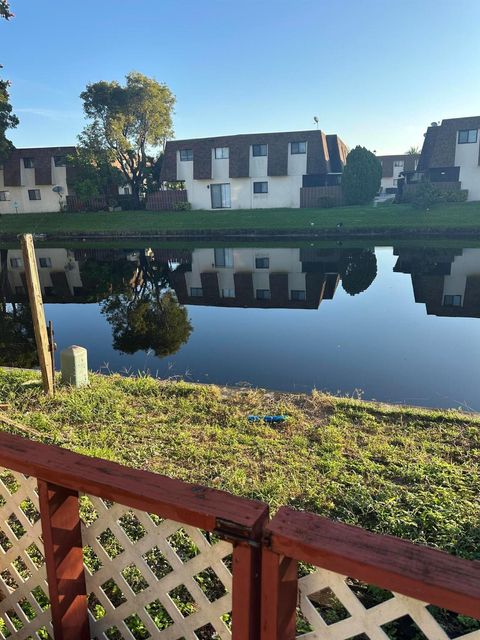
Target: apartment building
393, 167
451, 153
262, 170
35, 180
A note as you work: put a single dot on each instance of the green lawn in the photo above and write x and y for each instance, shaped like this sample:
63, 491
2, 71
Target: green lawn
463, 216
410, 472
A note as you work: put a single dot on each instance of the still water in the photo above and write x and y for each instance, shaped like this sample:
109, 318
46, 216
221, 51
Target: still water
396, 324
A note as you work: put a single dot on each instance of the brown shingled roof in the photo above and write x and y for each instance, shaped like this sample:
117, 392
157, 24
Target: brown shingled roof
318, 153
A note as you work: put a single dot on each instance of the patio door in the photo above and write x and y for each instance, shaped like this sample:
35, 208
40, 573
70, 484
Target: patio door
220, 196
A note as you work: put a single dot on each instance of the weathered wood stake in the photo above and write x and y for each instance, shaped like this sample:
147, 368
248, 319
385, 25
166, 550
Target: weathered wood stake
38, 313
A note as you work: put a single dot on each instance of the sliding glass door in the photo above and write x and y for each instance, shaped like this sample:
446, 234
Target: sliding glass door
220, 196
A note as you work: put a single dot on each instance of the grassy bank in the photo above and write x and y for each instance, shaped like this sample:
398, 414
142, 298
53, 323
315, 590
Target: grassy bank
387, 218
409, 472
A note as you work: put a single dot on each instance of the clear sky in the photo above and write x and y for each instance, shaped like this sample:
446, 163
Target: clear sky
376, 72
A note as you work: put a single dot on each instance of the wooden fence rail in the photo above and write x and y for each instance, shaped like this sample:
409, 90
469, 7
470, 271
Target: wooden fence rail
256, 561
61, 475
415, 575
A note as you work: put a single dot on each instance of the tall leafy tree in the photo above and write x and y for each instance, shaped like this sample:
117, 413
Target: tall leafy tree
361, 177
130, 122
94, 170
5, 10
7, 119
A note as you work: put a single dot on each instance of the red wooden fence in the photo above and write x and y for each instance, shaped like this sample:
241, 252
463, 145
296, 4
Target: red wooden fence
165, 200
266, 588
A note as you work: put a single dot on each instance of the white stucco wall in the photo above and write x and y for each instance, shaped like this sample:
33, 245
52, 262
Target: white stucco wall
466, 157
258, 165
220, 168
283, 191
297, 162
49, 202
386, 183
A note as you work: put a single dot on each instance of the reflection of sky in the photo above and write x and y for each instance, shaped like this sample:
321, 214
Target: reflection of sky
379, 342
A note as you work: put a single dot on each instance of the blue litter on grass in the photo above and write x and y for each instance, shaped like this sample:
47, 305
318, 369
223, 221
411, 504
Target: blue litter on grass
267, 418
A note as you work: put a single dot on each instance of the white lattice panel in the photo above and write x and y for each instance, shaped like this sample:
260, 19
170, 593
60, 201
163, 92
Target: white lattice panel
169, 577
331, 610
24, 606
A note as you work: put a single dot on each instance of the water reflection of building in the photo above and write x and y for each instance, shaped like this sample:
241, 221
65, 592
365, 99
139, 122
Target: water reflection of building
231, 277
58, 270
447, 281
256, 277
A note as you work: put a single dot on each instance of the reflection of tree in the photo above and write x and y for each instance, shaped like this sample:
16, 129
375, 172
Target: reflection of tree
102, 279
146, 315
358, 269
17, 339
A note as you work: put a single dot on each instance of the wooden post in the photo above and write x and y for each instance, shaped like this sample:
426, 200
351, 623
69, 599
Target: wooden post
62, 539
38, 314
279, 596
246, 592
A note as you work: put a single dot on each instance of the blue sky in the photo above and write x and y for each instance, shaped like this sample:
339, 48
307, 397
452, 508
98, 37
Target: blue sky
376, 72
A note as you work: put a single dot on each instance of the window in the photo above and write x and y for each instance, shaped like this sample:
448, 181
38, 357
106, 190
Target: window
220, 194
196, 292
186, 155
467, 135
28, 163
263, 294
34, 194
259, 150
262, 263
60, 161
297, 294
398, 164
228, 293
452, 301
16, 263
126, 191
224, 257
260, 187
4, 196
298, 147
221, 153
45, 263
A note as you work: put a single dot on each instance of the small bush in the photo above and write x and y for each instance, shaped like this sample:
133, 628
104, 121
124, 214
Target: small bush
326, 202
426, 196
456, 195
182, 206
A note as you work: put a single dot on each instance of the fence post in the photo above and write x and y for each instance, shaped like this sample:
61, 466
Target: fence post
279, 596
63, 550
246, 592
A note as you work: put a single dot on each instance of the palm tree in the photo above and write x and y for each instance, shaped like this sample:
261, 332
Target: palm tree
413, 151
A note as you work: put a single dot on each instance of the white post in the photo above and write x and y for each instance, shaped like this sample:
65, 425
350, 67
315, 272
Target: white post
74, 366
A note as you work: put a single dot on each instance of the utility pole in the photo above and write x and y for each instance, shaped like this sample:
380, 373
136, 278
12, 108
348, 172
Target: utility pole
38, 313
